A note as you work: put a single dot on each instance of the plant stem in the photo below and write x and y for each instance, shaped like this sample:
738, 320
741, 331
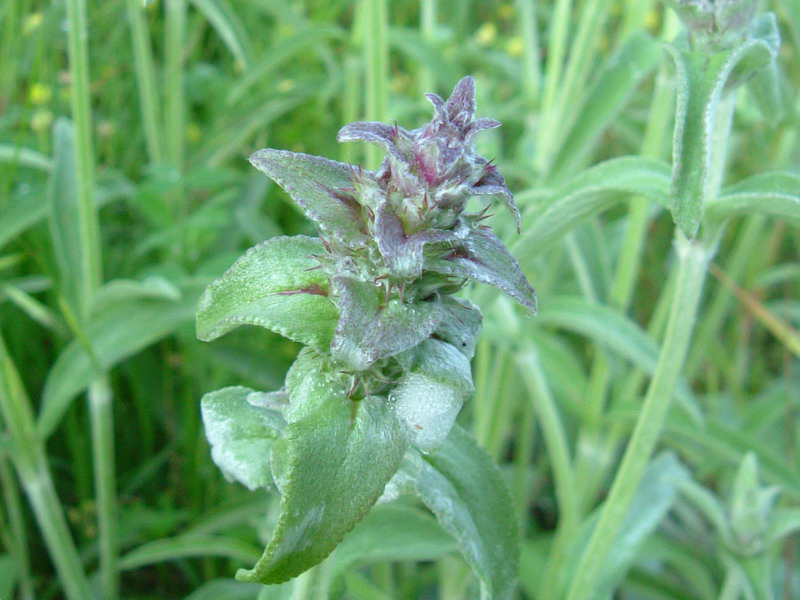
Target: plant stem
102, 422
18, 546
84, 153
146, 80
531, 69
31, 463
428, 11
693, 259
558, 450
376, 58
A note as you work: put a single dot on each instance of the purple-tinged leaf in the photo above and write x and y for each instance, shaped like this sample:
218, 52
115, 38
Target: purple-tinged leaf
271, 285
483, 257
493, 184
322, 188
402, 253
461, 104
368, 331
479, 125
374, 132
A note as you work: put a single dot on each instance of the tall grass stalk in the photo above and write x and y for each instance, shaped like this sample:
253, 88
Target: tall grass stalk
31, 464
375, 46
146, 80
102, 423
18, 542
427, 28
84, 153
555, 439
531, 68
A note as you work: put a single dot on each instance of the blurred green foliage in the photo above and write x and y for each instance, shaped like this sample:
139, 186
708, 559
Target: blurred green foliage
179, 94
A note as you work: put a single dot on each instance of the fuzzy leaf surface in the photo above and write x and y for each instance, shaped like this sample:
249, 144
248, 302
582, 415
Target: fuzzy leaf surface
316, 184
776, 194
594, 190
241, 434
466, 492
460, 325
701, 82
274, 285
430, 394
483, 257
367, 331
341, 455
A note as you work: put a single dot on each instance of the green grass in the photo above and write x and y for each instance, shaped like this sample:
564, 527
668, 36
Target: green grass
123, 153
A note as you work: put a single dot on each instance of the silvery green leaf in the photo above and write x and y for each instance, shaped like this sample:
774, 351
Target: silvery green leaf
276, 285
341, 454
460, 324
313, 380
241, 435
483, 257
702, 79
466, 492
368, 331
776, 194
431, 392
322, 187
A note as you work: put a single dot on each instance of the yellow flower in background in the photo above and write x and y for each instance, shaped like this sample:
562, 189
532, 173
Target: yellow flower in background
32, 23
515, 46
40, 94
486, 34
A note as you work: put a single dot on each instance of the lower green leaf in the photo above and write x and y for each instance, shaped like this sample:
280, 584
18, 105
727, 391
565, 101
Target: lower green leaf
341, 455
241, 433
463, 487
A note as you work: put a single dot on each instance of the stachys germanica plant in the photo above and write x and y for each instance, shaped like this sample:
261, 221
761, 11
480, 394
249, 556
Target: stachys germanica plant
374, 394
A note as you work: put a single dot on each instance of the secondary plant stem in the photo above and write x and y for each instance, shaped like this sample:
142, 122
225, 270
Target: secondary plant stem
693, 259
102, 420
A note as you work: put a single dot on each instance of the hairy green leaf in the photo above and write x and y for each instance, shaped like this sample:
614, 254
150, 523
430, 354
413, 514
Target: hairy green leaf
463, 487
430, 394
275, 285
702, 79
241, 430
593, 191
483, 257
341, 455
460, 324
775, 194
322, 188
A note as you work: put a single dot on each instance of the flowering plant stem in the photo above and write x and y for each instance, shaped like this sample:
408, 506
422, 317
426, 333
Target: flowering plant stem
693, 259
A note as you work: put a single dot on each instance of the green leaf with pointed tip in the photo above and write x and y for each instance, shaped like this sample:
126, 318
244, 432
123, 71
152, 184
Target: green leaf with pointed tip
116, 334
275, 285
341, 455
593, 191
392, 532
775, 194
241, 433
622, 74
702, 79
483, 257
431, 392
368, 331
463, 487
322, 188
